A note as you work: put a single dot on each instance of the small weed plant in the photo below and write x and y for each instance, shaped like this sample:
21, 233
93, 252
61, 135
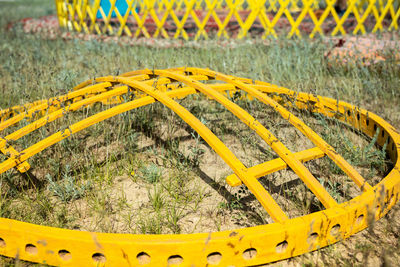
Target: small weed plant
369, 156
67, 189
151, 173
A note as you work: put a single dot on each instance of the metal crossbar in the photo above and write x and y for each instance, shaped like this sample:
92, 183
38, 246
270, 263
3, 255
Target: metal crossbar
194, 19
286, 237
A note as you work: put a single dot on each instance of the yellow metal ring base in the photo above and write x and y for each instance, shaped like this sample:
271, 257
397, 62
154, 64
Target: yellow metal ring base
249, 246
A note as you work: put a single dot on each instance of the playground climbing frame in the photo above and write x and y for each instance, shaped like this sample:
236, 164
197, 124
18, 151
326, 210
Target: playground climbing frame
285, 238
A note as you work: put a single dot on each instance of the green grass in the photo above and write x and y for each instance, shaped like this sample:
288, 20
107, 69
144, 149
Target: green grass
136, 173
67, 189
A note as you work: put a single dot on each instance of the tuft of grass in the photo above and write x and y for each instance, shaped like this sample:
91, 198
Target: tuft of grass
156, 199
369, 155
67, 188
151, 173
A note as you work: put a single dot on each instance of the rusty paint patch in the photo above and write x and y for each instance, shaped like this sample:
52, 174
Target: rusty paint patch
98, 245
42, 242
230, 245
233, 234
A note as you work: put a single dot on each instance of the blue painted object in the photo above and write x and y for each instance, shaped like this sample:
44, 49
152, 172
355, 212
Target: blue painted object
121, 5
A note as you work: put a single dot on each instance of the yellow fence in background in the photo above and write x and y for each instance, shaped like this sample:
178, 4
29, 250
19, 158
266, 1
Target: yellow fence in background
194, 19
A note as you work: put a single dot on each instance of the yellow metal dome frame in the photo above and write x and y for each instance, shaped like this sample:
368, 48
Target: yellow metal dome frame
285, 238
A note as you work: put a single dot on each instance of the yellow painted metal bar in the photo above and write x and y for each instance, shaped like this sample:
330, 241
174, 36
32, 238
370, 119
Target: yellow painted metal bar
10, 151
160, 23
349, 9
61, 112
304, 174
299, 124
384, 12
59, 11
93, 14
41, 105
306, 9
23, 166
367, 12
31, 108
255, 10
395, 17
276, 165
123, 19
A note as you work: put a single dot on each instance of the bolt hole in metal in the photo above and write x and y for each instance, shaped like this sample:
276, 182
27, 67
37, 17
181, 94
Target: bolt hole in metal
392, 200
31, 249
281, 247
64, 254
143, 258
175, 260
335, 230
2, 243
377, 211
249, 253
360, 219
214, 258
312, 238
99, 257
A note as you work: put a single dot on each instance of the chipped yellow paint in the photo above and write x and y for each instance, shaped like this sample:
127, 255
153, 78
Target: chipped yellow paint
284, 238
189, 18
